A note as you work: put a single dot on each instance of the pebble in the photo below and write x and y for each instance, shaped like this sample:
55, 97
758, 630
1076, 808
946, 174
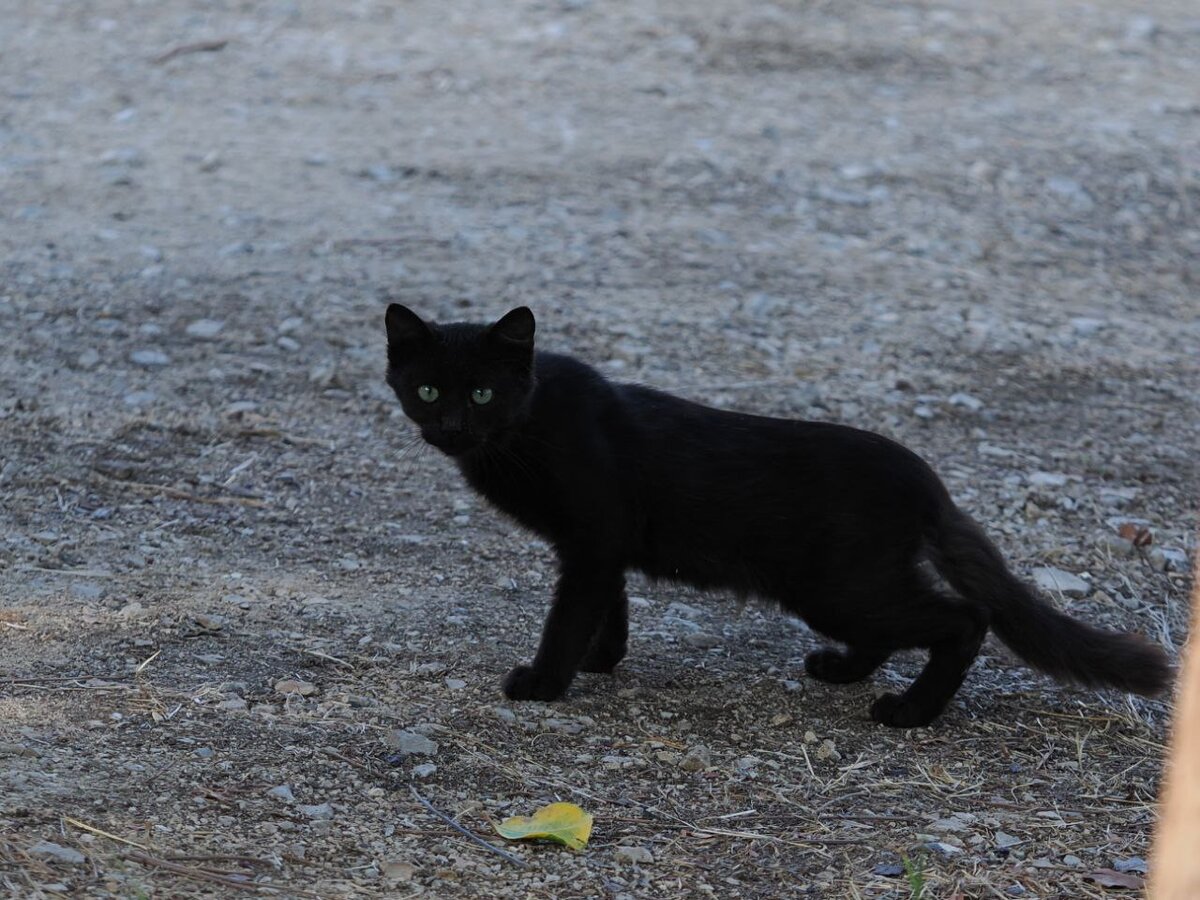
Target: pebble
1004, 840
88, 359
150, 358
204, 329
702, 641
1072, 860
455, 684
409, 743
966, 400
697, 759
282, 792
1056, 580
424, 770
320, 812
633, 856
1046, 479
290, 686
57, 852
139, 398
1132, 864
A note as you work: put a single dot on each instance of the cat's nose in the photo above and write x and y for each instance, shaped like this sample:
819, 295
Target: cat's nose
452, 424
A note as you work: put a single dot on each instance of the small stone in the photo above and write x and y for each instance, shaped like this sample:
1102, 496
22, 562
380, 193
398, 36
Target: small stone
237, 703
137, 399
633, 856
57, 853
1003, 840
697, 759
966, 400
951, 825
702, 641
1086, 327
282, 792
781, 719
204, 752
150, 358
286, 343
410, 743
87, 360
319, 812
204, 329
396, 870
1071, 860
455, 684
131, 610
828, 751
291, 686
888, 870
1071, 191
747, 765
1052, 579
1046, 479
424, 770
1132, 864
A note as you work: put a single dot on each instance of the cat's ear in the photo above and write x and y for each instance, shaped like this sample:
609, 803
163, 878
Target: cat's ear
404, 329
515, 329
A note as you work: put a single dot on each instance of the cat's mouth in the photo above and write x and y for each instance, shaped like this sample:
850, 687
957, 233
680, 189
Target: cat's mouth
455, 444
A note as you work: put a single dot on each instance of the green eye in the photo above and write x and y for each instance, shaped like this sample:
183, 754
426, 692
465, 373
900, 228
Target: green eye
481, 395
427, 392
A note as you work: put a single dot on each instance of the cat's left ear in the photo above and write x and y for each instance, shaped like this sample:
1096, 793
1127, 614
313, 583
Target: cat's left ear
515, 329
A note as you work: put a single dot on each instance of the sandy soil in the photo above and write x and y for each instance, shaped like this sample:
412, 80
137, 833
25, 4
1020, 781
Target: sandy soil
972, 226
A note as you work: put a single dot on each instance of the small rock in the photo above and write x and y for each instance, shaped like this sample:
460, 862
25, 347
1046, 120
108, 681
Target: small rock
131, 610
1052, 579
827, 750
1072, 860
87, 360
290, 686
747, 765
1132, 864
952, 825
204, 329
1046, 479
398, 871
697, 759
424, 770
57, 853
1072, 192
1086, 327
409, 743
204, 752
137, 399
888, 870
966, 400
282, 792
150, 358
319, 812
1004, 840
633, 856
234, 704
702, 641
455, 684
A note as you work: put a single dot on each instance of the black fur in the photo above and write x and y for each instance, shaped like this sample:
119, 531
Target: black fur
831, 522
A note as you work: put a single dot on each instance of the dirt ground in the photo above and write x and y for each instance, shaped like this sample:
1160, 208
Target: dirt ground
972, 226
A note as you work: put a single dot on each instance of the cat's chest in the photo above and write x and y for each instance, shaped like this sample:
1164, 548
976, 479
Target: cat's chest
519, 491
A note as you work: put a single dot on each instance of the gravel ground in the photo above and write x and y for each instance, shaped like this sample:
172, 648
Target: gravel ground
243, 615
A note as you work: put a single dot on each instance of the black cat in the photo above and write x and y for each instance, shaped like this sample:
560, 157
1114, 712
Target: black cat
831, 522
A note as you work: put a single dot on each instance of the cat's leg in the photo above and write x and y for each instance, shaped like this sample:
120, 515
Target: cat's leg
953, 629
844, 666
585, 596
609, 643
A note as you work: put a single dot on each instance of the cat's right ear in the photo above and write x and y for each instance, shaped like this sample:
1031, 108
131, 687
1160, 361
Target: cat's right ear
405, 330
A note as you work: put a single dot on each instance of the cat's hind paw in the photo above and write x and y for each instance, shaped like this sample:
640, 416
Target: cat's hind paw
527, 683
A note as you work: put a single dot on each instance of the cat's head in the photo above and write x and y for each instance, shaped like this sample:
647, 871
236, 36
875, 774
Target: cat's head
463, 385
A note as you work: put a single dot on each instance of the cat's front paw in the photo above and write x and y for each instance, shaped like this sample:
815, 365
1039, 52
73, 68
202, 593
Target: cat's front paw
897, 711
527, 683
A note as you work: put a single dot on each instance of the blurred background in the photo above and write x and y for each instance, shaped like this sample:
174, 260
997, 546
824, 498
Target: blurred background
972, 226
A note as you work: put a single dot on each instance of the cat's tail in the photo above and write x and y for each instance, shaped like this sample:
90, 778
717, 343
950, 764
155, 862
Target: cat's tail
1049, 640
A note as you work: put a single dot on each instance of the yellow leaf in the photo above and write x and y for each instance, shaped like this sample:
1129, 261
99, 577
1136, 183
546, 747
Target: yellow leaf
562, 822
